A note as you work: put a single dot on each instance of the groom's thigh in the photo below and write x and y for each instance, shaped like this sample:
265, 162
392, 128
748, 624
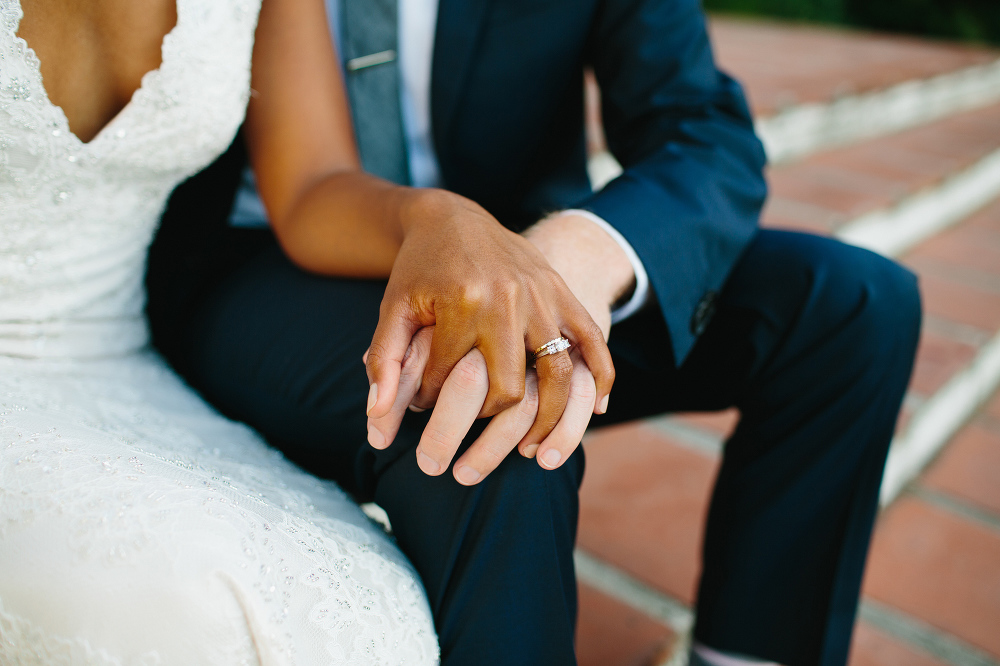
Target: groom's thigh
281, 349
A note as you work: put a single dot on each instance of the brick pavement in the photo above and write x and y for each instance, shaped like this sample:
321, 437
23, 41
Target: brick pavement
932, 590
823, 192
781, 67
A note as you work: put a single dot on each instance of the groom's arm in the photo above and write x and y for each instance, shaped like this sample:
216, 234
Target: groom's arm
692, 188
689, 198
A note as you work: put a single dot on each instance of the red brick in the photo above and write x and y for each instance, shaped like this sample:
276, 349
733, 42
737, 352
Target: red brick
837, 190
967, 245
903, 420
827, 189
940, 568
993, 406
782, 63
970, 468
785, 214
610, 633
938, 359
871, 647
643, 504
718, 423
987, 218
961, 303
883, 159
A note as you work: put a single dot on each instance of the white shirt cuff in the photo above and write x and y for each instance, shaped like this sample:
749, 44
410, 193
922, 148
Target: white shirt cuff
641, 293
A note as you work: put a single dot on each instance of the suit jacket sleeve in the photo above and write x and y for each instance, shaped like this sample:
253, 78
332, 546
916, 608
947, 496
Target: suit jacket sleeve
692, 188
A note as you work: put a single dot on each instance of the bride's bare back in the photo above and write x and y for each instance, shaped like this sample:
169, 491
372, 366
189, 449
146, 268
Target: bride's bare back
94, 53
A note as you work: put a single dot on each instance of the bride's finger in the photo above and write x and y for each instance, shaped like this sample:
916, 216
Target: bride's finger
500, 437
382, 431
560, 443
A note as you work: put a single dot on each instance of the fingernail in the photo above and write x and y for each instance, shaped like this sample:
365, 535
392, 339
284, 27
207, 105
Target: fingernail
529, 451
375, 438
372, 398
466, 475
415, 409
603, 407
427, 464
551, 458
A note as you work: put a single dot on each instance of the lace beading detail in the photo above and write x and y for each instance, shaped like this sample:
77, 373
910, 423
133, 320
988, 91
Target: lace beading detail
78, 217
112, 470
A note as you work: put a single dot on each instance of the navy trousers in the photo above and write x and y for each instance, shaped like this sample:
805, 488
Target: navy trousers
811, 339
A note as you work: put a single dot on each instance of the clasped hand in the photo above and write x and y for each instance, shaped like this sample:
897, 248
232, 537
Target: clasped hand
465, 303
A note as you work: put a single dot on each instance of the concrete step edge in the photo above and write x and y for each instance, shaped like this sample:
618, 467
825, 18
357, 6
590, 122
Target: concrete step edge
894, 230
804, 129
940, 418
807, 128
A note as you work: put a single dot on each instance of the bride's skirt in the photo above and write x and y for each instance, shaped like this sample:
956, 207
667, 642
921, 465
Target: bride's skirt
137, 526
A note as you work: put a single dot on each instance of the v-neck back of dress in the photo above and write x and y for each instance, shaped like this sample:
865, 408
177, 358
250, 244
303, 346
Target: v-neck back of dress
152, 73
77, 217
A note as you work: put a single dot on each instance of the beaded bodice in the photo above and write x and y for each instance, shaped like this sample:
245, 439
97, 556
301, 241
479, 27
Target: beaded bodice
76, 218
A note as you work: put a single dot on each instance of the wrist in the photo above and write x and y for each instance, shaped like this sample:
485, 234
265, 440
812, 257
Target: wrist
589, 260
428, 207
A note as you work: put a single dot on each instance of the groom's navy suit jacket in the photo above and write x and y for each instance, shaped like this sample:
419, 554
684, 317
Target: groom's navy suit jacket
508, 126
507, 120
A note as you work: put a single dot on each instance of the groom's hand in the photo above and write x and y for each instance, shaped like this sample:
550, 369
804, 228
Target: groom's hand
461, 398
482, 287
579, 248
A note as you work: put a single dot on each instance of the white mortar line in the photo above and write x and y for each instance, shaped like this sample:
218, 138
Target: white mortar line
930, 639
806, 128
893, 231
631, 592
940, 418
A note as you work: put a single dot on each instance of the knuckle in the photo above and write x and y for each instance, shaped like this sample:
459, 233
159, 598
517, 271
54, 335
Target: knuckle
529, 404
376, 352
509, 295
436, 443
560, 367
470, 295
584, 391
593, 330
493, 455
469, 375
507, 391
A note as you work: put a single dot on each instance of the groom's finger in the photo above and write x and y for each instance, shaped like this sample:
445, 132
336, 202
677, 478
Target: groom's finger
385, 359
382, 431
499, 438
458, 404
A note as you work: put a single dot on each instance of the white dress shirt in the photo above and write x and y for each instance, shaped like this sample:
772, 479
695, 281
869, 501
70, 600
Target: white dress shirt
417, 27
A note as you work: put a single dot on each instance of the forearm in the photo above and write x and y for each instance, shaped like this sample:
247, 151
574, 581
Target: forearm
347, 224
352, 224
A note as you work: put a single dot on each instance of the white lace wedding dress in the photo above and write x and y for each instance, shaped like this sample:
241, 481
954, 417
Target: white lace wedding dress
137, 526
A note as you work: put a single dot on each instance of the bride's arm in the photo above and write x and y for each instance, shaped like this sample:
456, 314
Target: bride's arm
449, 262
328, 215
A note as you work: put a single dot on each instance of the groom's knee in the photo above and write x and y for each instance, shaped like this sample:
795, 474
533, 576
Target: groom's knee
831, 299
520, 516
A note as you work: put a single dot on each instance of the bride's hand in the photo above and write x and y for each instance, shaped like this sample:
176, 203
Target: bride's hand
486, 288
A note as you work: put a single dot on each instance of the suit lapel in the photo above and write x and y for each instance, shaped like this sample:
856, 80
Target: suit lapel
460, 25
